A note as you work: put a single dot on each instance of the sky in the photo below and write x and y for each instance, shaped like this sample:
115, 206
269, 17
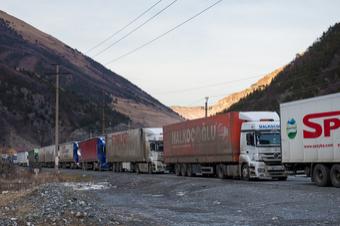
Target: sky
223, 50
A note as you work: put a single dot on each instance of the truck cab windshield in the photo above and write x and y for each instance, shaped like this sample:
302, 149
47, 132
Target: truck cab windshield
268, 139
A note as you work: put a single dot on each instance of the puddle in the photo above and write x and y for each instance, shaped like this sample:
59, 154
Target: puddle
87, 186
180, 193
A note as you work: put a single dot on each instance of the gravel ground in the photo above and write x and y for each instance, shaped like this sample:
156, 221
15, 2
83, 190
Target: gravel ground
130, 199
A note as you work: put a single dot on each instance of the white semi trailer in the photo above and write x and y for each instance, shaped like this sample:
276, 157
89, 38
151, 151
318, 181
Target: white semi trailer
310, 136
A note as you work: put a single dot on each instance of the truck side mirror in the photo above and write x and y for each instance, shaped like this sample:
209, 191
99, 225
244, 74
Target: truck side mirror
250, 140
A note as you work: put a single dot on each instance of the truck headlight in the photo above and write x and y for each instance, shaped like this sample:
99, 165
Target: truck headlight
261, 170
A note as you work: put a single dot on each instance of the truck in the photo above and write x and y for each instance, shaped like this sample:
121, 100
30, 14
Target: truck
66, 155
33, 159
47, 156
22, 158
136, 150
92, 153
310, 134
242, 145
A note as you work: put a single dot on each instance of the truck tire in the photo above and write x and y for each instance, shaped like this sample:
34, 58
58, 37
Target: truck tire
137, 169
282, 178
219, 171
184, 169
321, 175
189, 170
245, 172
178, 169
335, 175
150, 168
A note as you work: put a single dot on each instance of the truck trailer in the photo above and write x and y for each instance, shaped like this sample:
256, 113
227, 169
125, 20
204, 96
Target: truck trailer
310, 134
92, 153
66, 155
136, 150
236, 144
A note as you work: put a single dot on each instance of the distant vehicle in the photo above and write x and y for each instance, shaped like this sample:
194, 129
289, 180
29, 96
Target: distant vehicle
68, 157
22, 158
311, 137
236, 144
93, 153
136, 150
33, 159
46, 156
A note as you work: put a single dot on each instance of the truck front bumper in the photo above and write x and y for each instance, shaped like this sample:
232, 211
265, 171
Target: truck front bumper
158, 167
260, 170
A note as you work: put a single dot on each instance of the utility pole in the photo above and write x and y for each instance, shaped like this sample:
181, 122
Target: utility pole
56, 150
103, 116
206, 106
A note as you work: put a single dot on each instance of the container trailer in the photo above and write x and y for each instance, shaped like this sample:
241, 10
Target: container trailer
136, 150
47, 156
236, 144
66, 155
92, 153
310, 134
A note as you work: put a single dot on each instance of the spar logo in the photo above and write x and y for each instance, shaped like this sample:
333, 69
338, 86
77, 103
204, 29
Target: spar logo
291, 128
330, 121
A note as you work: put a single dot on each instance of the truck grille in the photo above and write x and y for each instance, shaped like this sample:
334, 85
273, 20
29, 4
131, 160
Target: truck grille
271, 157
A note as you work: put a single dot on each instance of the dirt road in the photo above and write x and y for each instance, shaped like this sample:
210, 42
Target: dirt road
131, 199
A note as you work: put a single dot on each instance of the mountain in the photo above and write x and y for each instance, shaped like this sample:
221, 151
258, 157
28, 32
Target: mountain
226, 102
315, 72
87, 89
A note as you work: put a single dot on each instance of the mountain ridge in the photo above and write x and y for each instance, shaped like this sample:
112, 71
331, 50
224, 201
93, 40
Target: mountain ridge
315, 72
227, 101
27, 91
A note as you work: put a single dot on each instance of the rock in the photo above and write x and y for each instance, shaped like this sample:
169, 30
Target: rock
79, 215
82, 203
216, 202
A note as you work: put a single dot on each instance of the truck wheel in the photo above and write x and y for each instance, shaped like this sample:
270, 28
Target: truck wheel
245, 172
137, 169
307, 171
321, 175
184, 169
150, 168
219, 171
189, 170
178, 169
335, 175
282, 178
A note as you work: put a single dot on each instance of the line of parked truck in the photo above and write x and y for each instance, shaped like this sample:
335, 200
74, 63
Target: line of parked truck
245, 145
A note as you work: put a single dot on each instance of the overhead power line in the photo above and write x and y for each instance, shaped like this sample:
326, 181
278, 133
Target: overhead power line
209, 85
164, 34
135, 29
121, 29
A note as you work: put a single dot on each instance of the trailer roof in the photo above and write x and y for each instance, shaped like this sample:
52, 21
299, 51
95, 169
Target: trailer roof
256, 116
335, 95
